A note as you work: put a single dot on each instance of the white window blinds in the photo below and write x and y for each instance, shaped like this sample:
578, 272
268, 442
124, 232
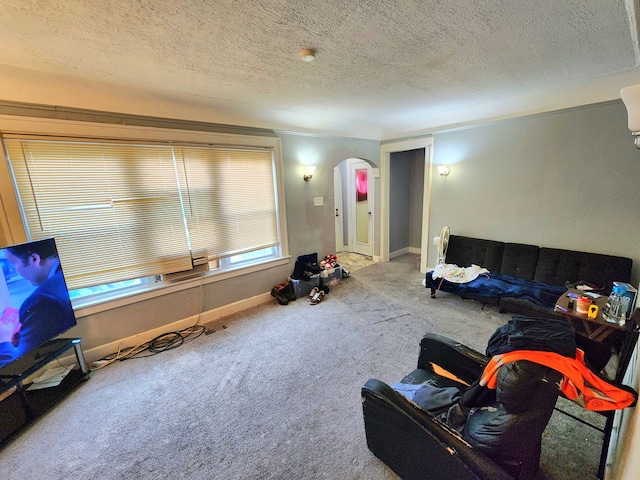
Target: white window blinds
120, 211
232, 201
114, 209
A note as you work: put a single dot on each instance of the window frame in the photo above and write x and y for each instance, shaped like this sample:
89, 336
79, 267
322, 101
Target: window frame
14, 227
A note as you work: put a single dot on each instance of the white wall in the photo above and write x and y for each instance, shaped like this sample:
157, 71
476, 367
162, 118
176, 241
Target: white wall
624, 462
566, 179
312, 228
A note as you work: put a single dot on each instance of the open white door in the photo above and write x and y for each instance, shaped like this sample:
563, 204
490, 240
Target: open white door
360, 204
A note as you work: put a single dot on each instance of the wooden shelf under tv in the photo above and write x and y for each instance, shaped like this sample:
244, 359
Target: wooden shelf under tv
19, 406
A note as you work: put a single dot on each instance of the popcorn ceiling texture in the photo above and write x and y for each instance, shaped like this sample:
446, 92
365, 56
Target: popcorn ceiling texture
378, 62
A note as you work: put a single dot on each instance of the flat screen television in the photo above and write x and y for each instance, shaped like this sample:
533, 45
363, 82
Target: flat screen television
34, 299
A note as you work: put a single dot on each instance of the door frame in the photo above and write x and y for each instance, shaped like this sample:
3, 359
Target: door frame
386, 149
338, 209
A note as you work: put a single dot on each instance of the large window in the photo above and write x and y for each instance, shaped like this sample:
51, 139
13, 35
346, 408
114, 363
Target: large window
126, 211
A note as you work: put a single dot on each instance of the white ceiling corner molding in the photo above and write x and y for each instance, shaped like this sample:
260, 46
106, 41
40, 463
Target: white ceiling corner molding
633, 8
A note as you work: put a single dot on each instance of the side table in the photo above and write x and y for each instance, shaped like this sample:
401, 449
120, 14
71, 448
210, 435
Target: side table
597, 329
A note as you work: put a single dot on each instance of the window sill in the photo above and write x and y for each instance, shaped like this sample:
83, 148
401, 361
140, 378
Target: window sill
108, 301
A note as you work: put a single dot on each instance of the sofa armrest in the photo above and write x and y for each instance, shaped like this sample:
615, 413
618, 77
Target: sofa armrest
415, 444
455, 358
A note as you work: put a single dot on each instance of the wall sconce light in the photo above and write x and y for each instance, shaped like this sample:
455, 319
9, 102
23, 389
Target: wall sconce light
309, 171
631, 98
443, 170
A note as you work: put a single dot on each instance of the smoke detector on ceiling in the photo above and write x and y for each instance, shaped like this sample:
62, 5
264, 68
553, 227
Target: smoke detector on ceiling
307, 55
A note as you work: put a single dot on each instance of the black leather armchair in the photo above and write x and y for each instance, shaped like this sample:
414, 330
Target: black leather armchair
499, 442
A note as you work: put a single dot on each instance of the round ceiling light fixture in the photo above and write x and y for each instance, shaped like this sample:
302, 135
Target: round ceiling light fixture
307, 55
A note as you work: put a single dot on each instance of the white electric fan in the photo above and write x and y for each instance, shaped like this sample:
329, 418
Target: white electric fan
443, 244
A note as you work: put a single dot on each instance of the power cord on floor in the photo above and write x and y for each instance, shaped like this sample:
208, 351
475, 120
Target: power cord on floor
159, 344
167, 341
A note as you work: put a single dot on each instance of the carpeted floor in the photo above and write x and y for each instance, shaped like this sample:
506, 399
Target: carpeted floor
275, 395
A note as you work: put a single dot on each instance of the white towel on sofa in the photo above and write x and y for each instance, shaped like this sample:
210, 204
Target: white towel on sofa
453, 273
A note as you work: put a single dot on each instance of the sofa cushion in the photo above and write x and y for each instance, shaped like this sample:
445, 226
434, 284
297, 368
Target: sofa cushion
465, 251
559, 267
520, 260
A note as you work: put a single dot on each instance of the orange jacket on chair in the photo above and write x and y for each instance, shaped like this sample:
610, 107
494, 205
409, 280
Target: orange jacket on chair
580, 384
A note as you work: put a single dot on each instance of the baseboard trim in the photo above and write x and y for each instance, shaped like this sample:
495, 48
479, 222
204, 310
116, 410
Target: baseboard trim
398, 253
404, 251
96, 353
216, 313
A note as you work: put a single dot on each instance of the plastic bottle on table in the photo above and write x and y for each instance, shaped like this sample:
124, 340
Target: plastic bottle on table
616, 308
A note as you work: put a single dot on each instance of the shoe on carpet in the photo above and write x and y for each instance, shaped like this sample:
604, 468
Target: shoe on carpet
317, 298
288, 290
312, 293
278, 294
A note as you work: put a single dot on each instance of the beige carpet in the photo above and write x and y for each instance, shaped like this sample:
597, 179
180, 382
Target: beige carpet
275, 395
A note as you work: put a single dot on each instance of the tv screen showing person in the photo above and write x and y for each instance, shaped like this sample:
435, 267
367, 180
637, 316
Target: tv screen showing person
35, 300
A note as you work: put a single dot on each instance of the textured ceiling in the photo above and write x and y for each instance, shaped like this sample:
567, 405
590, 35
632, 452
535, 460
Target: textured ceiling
384, 68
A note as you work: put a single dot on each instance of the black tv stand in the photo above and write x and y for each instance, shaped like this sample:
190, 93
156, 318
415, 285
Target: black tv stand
19, 406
